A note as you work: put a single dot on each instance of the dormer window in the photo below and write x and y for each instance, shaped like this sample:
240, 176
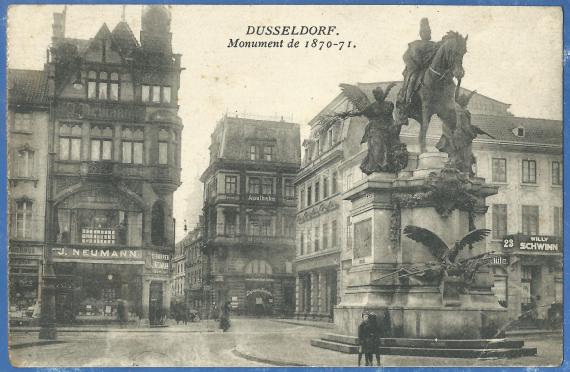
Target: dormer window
519, 131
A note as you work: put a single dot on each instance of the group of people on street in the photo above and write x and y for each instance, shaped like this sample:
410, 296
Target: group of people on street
369, 333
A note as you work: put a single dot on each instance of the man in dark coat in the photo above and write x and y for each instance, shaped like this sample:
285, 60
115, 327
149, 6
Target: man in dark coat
367, 339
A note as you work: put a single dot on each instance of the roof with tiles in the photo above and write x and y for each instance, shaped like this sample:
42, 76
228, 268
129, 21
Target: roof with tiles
27, 87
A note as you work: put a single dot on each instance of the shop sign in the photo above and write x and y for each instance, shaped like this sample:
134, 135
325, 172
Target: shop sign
533, 243
254, 197
258, 291
99, 253
78, 110
159, 263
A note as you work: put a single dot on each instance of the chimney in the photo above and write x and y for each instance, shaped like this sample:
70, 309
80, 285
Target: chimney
58, 26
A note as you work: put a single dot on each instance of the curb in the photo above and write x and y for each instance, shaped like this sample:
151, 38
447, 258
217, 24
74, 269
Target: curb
277, 363
100, 330
35, 343
532, 332
323, 326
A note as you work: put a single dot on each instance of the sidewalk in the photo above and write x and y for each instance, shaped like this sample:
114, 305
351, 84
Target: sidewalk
295, 350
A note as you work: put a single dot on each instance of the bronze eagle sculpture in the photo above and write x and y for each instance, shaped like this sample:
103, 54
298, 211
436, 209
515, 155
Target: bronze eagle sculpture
438, 247
447, 256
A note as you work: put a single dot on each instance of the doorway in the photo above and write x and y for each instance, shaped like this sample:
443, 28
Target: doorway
156, 314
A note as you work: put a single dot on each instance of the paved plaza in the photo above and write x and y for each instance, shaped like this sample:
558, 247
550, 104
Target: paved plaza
249, 343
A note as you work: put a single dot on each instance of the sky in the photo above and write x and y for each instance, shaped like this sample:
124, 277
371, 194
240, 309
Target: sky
514, 55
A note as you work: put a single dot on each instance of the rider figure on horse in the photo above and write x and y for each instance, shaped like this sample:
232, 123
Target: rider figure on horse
416, 58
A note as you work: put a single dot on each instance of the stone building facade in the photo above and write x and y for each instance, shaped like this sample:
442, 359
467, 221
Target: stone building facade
530, 150
114, 145
249, 215
27, 129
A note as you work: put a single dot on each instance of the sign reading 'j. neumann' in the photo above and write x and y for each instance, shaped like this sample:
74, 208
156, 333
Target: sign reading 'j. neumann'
99, 253
533, 243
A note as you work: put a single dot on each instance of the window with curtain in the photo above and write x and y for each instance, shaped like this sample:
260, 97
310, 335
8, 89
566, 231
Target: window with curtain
289, 188
254, 185
334, 234
70, 142
24, 163
530, 220
101, 143
528, 171
103, 85
499, 170
499, 221
267, 186
556, 173
267, 153
231, 185
164, 138
557, 221
24, 215
132, 145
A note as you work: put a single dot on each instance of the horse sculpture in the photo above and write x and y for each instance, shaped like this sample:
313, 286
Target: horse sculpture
436, 90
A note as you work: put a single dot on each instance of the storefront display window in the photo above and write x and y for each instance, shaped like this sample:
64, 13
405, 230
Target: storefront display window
98, 226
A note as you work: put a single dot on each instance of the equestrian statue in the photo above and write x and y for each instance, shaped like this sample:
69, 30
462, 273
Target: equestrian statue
428, 86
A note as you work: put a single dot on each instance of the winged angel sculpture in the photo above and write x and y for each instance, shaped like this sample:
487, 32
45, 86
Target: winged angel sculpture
448, 264
385, 152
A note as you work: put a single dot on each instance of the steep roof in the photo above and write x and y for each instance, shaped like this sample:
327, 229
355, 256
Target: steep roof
124, 37
27, 87
536, 131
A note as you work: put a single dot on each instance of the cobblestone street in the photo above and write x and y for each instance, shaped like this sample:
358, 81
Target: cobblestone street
250, 342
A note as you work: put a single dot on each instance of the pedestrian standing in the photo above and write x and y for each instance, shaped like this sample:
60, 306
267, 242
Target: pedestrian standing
364, 340
377, 330
225, 316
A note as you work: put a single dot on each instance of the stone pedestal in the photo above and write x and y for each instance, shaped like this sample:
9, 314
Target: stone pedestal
444, 201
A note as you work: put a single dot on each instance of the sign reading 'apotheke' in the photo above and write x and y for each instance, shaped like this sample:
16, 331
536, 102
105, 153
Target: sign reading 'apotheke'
97, 253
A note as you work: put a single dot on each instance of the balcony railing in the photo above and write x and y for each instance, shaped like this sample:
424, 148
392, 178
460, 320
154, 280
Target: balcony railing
251, 236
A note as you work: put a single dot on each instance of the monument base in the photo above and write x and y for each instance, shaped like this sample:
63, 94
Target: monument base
427, 322
409, 287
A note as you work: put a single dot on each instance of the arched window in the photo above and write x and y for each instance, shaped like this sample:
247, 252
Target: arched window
258, 267
157, 224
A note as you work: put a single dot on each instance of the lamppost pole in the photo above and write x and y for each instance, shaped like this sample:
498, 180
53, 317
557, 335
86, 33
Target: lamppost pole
47, 316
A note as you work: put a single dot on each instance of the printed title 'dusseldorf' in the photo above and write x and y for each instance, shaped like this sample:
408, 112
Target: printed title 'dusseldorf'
291, 30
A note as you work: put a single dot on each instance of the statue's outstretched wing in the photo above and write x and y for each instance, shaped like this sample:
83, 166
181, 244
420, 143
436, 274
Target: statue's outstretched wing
356, 96
436, 246
473, 237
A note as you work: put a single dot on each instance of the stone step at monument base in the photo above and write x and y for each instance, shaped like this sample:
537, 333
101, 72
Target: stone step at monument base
489, 348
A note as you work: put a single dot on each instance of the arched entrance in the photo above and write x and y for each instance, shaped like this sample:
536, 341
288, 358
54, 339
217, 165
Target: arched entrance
259, 301
259, 288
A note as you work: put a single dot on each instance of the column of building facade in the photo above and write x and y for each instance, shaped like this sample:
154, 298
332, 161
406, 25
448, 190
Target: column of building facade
322, 292
314, 293
297, 294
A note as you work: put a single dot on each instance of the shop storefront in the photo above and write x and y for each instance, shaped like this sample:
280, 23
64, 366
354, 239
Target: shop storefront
531, 284
24, 284
259, 298
96, 285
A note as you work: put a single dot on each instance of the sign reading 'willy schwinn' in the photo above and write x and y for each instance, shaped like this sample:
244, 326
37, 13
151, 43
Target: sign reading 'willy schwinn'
97, 253
533, 243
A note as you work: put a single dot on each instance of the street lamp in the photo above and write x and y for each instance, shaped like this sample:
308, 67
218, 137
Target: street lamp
47, 317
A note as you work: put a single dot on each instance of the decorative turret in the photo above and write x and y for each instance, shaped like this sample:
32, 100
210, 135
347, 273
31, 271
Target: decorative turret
155, 30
